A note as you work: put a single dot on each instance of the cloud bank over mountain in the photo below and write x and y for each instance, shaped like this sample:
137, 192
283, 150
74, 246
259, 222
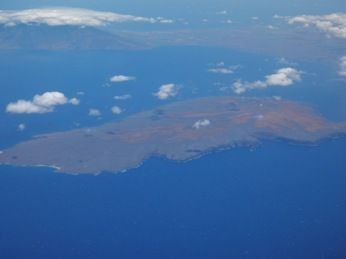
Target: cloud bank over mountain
71, 16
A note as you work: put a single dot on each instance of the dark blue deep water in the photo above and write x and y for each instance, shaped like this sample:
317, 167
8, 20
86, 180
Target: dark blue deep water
277, 201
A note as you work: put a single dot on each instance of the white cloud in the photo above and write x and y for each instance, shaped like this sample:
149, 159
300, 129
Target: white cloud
167, 90
277, 98
221, 70
70, 16
94, 112
116, 110
23, 106
50, 99
74, 101
40, 103
21, 127
283, 77
342, 71
201, 123
164, 20
121, 78
122, 97
334, 24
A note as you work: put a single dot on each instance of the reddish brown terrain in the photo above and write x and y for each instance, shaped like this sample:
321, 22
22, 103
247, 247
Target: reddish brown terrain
178, 131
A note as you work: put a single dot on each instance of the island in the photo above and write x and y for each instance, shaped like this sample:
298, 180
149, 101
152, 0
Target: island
178, 131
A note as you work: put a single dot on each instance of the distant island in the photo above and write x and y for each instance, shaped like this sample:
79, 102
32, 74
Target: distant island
178, 131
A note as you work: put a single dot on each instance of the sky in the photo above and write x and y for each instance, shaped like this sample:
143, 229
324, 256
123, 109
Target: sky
192, 8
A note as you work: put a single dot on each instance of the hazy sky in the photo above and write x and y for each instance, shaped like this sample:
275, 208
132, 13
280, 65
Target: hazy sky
193, 8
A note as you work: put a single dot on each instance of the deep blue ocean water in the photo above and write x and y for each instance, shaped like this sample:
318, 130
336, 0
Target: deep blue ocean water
277, 201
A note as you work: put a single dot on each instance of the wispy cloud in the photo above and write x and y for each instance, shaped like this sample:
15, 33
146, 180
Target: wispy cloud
121, 78
40, 103
222, 12
201, 123
164, 20
122, 97
71, 16
334, 24
342, 71
166, 91
284, 61
221, 68
282, 77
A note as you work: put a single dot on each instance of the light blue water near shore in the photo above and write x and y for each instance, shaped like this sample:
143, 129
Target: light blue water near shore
278, 201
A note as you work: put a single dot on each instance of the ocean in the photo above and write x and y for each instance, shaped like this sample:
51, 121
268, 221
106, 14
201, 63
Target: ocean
278, 200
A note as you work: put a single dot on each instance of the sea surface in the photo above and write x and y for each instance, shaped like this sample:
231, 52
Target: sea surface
277, 200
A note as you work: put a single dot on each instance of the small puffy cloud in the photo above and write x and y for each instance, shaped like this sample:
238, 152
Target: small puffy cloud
221, 68
21, 127
201, 123
122, 97
240, 87
277, 98
342, 71
94, 112
116, 110
166, 91
70, 16
74, 101
23, 106
121, 78
283, 77
49, 99
334, 24
40, 103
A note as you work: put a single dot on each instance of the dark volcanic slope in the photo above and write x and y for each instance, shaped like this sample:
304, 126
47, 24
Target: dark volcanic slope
62, 38
177, 131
